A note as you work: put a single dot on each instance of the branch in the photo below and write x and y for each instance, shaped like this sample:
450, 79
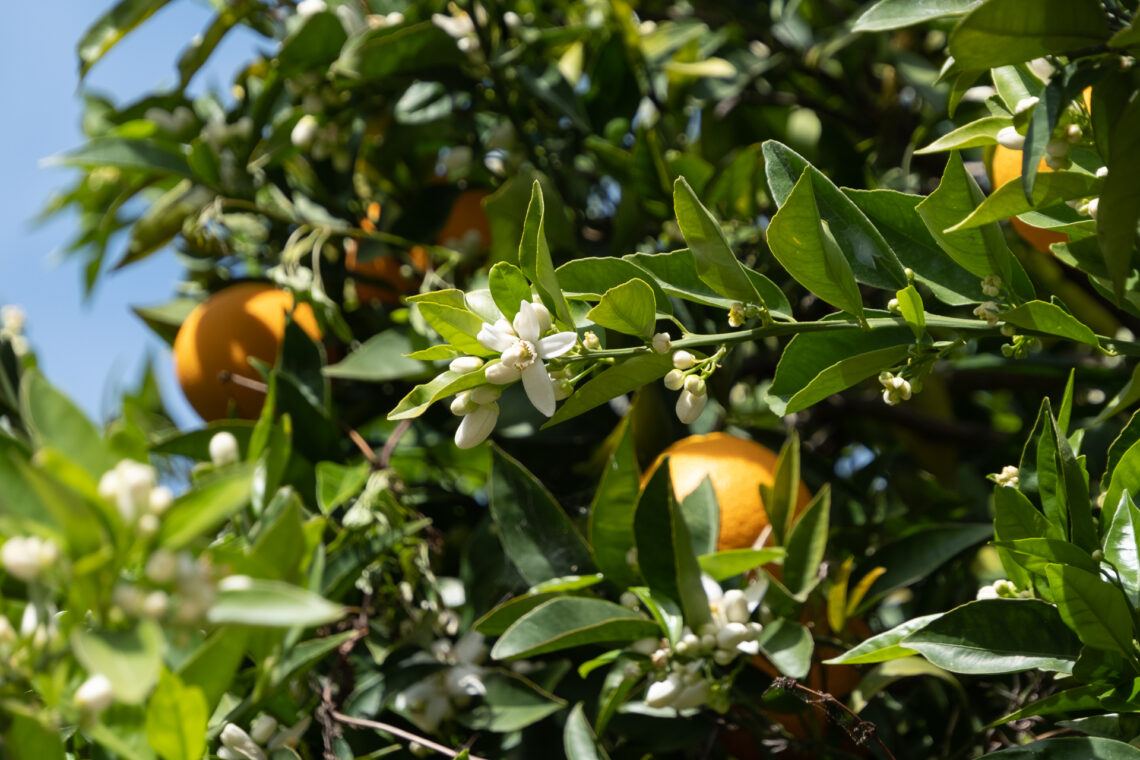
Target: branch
395, 731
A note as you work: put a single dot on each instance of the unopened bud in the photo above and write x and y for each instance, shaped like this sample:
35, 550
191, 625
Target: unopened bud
263, 728
683, 360
1009, 137
465, 364
94, 695
662, 342
690, 406
223, 449
674, 380
590, 340
695, 384
662, 693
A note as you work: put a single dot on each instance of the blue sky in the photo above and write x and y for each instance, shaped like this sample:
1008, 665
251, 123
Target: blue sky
89, 349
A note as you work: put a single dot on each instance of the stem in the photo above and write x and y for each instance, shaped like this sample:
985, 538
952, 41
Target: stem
395, 731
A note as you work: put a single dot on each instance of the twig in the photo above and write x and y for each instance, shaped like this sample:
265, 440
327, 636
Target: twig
393, 441
369, 454
396, 731
225, 376
862, 732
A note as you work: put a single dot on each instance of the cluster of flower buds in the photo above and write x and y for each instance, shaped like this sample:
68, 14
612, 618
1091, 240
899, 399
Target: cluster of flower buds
265, 735
182, 588
1003, 589
989, 311
460, 26
991, 285
27, 557
12, 320
132, 487
1008, 477
895, 388
688, 376
436, 698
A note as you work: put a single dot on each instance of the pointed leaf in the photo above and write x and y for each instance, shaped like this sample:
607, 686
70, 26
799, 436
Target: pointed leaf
570, 622
806, 545
884, 646
628, 308
611, 512
176, 718
535, 261
896, 14
717, 265
1094, 608
1000, 32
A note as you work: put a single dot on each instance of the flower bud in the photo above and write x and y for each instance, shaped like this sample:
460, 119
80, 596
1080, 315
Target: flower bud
1009, 137
223, 449
465, 364
690, 406
462, 404
695, 385
94, 695
732, 634
893, 306
148, 525
662, 693
155, 604
1025, 104
162, 567
1093, 207
674, 380
543, 314
304, 131
692, 696
160, 500
1057, 148
263, 728
723, 656
484, 394
590, 340
239, 741
563, 389
1073, 134
476, 426
735, 606
630, 601
661, 343
501, 374
21, 557
683, 360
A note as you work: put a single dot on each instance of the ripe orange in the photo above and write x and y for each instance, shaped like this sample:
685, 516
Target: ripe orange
466, 216
736, 467
221, 334
1005, 166
386, 283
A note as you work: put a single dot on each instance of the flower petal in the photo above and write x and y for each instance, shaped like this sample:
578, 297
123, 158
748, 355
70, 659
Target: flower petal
556, 345
493, 338
538, 387
476, 426
526, 322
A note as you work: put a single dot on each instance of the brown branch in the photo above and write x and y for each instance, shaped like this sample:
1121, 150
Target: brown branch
862, 732
396, 731
393, 441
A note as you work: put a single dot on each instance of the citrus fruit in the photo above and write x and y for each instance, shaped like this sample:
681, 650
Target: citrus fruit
1005, 166
736, 468
467, 225
221, 334
382, 278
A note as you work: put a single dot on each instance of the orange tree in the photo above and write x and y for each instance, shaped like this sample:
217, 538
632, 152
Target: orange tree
530, 246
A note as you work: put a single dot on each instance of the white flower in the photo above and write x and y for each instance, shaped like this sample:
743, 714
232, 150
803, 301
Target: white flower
26, 558
129, 486
1092, 207
590, 340
94, 695
895, 388
683, 360
692, 696
455, 26
1009, 137
662, 693
1007, 477
988, 311
523, 352
661, 343
304, 131
12, 319
307, 8
234, 738
674, 380
690, 406
737, 315
991, 285
223, 449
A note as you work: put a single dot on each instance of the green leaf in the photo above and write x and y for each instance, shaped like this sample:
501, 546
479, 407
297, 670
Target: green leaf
611, 511
816, 365
628, 308
893, 214
130, 659
28, 737
213, 665
1071, 748
675, 273
202, 46
122, 153
1050, 188
1014, 84
164, 220
57, 422
591, 277
982, 251
1050, 319
896, 14
315, 44
578, 739
994, 636
272, 604
205, 508
913, 557
1000, 32
1094, 608
731, 562
442, 385
1034, 554
570, 622
196, 443
977, 133
381, 358
500, 618
806, 545
1125, 480
401, 48
701, 513
788, 645
535, 261
717, 265
176, 717
1015, 518
338, 483
536, 534
1119, 207
1122, 547
805, 247
910, 306
509, 288
111, 27
884, 646
665, 549
872, 261
626, 377
511, 703
457, 326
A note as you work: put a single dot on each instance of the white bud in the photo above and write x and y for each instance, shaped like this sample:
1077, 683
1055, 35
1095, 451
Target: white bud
307, 8
465, 364
986, 592
1025, 104
724, 656
662, 342
485, 394
29, 621
1009, 137
162, 567
1102, 172
695, 384
629, 600
893, 306
476, 426
239, 741
674, 380
462, 404
662, 693
155, 604
735, 606
223, 449
543, 314
1073, 134
263, 728
304, 131
94, 695
732, 634
1057, 148
21, 557
683, 360
646, 646
692, 696
590, 340
501, 374
708, 641
690, 406
1093, 207
160, 500
148, 525
236, 582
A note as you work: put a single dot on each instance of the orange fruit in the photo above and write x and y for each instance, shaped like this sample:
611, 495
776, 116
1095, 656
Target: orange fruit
1005, 166
386, 282
736, 467
221, 334
466, 215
